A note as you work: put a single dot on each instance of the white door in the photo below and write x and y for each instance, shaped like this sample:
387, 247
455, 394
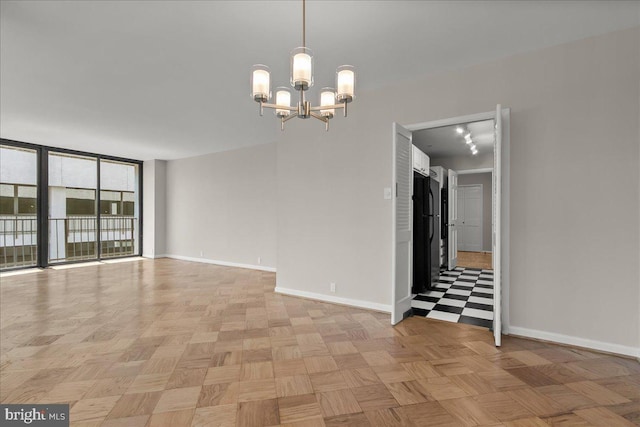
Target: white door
496, 246
452, 256
402, 222
460, 209
470, 218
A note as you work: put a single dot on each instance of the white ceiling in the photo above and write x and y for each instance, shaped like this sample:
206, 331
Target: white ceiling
446, 142
169, 79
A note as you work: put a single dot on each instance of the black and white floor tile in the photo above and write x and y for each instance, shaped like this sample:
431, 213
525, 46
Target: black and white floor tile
463, 295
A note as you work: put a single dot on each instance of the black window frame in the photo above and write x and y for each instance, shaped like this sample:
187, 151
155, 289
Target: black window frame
42, 208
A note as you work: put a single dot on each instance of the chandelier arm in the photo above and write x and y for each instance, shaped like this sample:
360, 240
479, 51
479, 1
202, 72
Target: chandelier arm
286, 119
327, 107
322, 119
279, 107
289, 117
319, 117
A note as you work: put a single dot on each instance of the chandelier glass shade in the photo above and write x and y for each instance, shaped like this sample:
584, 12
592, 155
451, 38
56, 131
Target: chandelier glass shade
301, 73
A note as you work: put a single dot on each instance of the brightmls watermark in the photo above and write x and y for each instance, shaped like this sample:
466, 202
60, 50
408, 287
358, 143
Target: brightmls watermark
34, 415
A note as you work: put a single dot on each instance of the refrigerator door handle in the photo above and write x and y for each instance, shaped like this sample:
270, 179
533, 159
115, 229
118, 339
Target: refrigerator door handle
431, 211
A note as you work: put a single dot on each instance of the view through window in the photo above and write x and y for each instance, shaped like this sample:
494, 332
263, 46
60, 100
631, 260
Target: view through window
18, 207
89, 207
91, 218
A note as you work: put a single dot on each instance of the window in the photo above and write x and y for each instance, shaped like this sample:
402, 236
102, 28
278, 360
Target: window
27, 199
128, 204
18, 207
7, 196
90, 206
119, 208
111, 203
117, 203
80, 201
18, 199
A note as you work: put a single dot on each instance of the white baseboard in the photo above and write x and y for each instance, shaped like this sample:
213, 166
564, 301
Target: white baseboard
578, 342
154, 256
225, 263
337, 300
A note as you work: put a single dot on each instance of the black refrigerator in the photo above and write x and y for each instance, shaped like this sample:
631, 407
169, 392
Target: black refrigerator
426, 232
434, 230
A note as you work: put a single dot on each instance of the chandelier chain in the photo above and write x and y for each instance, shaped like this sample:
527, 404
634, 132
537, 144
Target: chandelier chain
304, 23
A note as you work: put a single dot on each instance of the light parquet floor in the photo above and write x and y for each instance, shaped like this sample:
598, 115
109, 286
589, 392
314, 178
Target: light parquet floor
475, 260
173, 343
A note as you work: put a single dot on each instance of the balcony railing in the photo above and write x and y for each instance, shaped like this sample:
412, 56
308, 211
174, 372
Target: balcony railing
18, 241
70, 239
74, 238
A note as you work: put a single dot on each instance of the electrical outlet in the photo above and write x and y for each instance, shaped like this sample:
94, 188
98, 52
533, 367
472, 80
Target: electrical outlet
259, 260
332, 286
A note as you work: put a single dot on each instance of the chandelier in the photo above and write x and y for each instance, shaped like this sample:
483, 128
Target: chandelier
301, 80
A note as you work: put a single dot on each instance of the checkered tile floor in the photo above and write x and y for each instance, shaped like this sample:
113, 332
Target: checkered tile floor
463, 295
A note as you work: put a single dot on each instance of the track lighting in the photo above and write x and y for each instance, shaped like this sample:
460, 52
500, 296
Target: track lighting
468, 140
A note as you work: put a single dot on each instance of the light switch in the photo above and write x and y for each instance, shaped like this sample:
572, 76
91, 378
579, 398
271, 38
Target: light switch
387, 193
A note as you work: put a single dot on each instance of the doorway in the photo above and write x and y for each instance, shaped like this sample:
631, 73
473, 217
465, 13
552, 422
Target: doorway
471, 228
457, 284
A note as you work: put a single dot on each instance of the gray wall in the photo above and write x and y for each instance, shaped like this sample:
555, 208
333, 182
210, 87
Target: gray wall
485, 180
154, 181
224, 206
574, 113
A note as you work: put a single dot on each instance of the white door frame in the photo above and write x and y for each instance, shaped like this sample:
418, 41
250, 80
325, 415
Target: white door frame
506, 177
452, 219
481, 212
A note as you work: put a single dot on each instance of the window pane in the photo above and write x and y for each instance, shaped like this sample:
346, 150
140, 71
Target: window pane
80, 193
73, 224
27, 200
27, 191
80, 201
110, 195
7, 199
110, 208
18, 207
6, 205
128, 209
7, 190
81, 207
118, 207
27, 206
